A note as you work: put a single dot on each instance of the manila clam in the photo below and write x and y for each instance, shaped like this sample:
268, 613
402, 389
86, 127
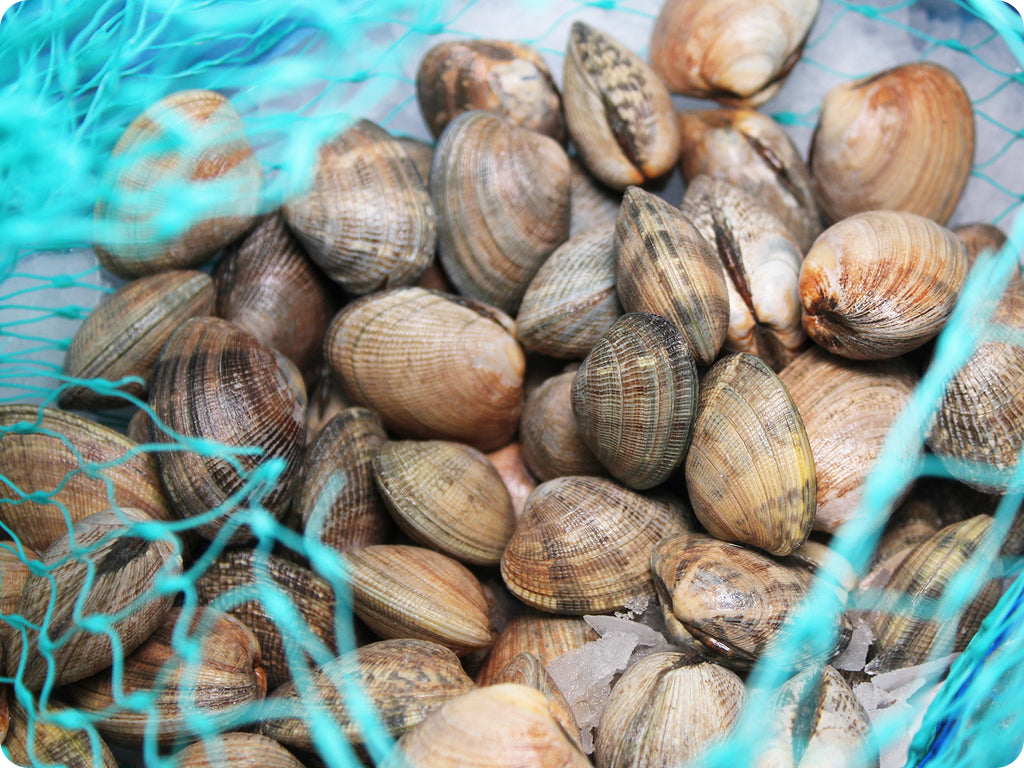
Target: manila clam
517, 478
592, 204
528, 669
550, 434
37, 739
236, 749
544, 635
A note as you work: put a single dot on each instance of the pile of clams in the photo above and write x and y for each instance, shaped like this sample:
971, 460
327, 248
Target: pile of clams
469, 393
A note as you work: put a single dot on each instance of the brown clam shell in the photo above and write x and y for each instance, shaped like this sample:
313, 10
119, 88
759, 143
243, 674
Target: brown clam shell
518, 480
240, 750
981, 237
421, 153
593, 204
550, 434
544, 635
47, 743
527, 669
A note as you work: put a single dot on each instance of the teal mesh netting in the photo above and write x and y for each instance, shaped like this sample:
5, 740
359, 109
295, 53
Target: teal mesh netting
76, 73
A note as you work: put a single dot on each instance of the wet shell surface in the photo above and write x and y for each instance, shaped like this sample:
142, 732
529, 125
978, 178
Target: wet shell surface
446, 496
527, 669
367, 221
501, 193
430, 366
635, 397
47, 743
240, 750
750, 470
582, 546
123, 335
880, 283
618, 112
919, 156
544, 635
550, 434
190, 142
663, 265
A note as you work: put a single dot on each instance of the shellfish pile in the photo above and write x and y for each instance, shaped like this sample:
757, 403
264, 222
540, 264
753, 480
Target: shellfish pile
476, 390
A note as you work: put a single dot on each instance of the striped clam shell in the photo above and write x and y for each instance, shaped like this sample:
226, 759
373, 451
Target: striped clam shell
550, 434
49, 743
527, 669
544, 635
236, 749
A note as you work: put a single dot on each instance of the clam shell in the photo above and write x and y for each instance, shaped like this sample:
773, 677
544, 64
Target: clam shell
618, 112
430, 366
14, 572
544, 635
593, 205
421, 153
188, 143
750, 471
56, 463
880, 283
921, 148
519, 482
981, 237
582, 546
550, 434
236, 749
367, 221
501, 193
663, 265
47, 743
527, 669
635, 397
123, 335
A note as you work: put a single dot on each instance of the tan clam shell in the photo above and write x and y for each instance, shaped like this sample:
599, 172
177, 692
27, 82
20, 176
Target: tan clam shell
921, 148
367, 221
593, 205
527, 669
501, 193
190, 142
582, 546
403, 591
430, 366
979, 237
880, 283
571, 301
750, 471
217, 382
667, 710
54, 462
735, 51
635, 398
761, 262
404, 679
663, 265
544, 635
337, 501
14, 572
501, 76
47, 743
518, 480
847, 409
550, 434
446, 496
753, 152
236, 749
618, 112
123, 335
420, 152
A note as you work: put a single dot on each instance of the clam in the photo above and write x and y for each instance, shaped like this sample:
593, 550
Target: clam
237, 749
123, 335
593, 205
663, 265
501, 193
367, 221
735, 51
901, 139
980, 237
518, 480
500, 76
527, 669
446, 496
544, 635
430, 366
14, 572
189, 145
550, 434
750, 471
761, 261
216, 382
635, 397
618, 112
37, 739
880, 283
582, 546
421, 153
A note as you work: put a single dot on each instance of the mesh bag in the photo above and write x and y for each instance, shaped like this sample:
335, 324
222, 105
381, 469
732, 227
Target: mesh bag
76, 74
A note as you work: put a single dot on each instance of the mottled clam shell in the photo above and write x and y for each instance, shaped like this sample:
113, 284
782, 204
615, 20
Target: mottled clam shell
14, 572
123, 335
571, 301
635, 398
367, 221
403, 591
847, 409
981, 237
553, 445
501, 193
420, 152
593, 204
47, 743
267, 284
544, 635
583, 545
512, 468
311, 597
761, 262
404, 679
189, 143
618, 112
237, 749
920, 151
430, 366
527, 669
337, 500
663, 265
666, 710
217, 382
500, 76
750, 471
446, 496
753, 152
880, 283
55, 463
735, 51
